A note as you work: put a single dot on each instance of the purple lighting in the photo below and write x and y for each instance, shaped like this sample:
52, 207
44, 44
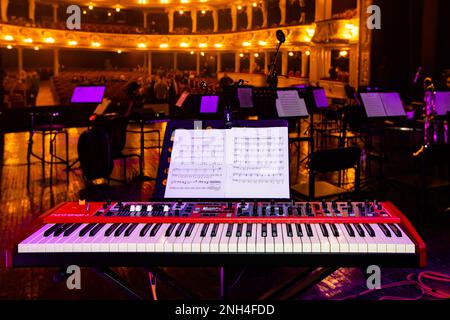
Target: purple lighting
88, 94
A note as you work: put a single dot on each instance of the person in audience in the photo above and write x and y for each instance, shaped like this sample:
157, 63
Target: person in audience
161, 90
32, 86
225, 81
333, 72
206, 73
122, 78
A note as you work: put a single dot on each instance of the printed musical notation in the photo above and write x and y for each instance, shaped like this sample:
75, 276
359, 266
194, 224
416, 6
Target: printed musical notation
232, 163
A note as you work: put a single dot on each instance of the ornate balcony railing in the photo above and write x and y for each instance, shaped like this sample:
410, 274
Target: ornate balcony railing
331, 31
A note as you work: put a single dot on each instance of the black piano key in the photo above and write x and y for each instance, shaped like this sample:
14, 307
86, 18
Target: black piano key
309, 231
121, 229
298, 228
214, 230
189, 230
52, 229
274, 230
248, 232
239, 230
96, 229
170, 229
155, 229
111, 229
264, 230
385, 230
229, 230
204, 230
145, 229
369, 230
289, 230
179, 229
130, 229
324, 230
350, 230
69, 231
87, 229
334, 230
359, 230
394, 229
60, 230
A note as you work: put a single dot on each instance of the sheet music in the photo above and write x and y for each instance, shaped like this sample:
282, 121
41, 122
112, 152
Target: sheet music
258, 166
373, 104
229, 163
245, 97
442, 103
289, 104
197, 167
393, 105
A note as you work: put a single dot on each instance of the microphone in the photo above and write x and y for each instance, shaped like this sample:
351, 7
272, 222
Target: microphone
280, 36
417, 76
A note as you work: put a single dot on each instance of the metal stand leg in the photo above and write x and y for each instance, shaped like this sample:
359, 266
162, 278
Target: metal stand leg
222, 283
300, 284
117, 280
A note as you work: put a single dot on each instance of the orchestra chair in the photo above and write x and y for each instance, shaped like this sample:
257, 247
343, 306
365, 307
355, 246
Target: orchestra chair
326, 161
116, 127
428, 189
45, 128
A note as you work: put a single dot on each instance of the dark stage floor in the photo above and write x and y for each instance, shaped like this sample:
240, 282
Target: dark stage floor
18, 208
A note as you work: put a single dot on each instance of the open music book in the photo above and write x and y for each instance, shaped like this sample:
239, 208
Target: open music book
229, 163
383, 104
289, 104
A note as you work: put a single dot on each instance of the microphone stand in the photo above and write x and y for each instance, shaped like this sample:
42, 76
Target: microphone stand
272, 77
228, 113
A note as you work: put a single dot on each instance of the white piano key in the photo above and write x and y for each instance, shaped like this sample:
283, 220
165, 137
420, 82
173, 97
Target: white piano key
334, 243
242, 240
260, 240
269, 240
160, 238
278, 240
361, 241
215, 241
98, 243
29, 244
197, 239
169, 244
390, 245
206, 240
352, 242
403, 243
372, 245
297, 244
344, 246
287, 241
314, 239
251, 241
223, 244
324, 243
380, 239
233, 240
136, 243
